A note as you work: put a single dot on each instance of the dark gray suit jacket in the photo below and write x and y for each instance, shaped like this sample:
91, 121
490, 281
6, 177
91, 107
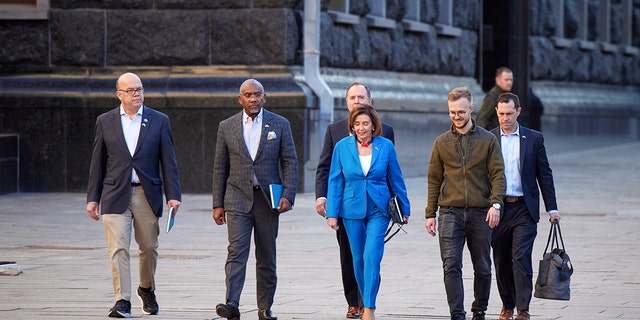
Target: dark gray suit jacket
534, 171
335, 132
110, 171
233, 168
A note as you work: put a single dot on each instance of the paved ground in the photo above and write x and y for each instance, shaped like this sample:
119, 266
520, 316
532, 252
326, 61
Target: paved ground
66, 274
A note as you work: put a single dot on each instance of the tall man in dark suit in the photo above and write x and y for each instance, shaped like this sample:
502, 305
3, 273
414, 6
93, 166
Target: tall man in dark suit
253, 148
357, 94
526, 168
133, 157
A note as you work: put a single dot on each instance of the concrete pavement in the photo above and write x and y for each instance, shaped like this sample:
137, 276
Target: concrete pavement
66, 273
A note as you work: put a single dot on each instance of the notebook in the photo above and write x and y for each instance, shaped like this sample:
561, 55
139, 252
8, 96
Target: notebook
171, 219
275, 190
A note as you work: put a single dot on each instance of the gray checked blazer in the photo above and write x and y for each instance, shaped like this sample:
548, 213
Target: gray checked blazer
276, 162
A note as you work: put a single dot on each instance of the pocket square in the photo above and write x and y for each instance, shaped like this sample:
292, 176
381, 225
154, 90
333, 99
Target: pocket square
271, 135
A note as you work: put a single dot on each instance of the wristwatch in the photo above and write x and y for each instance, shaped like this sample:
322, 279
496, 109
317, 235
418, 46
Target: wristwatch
497, 206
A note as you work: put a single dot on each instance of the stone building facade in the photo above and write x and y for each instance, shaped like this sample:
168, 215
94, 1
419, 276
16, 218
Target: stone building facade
59, 60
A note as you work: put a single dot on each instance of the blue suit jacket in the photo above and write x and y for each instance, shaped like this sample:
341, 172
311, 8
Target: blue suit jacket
233, 167
335, 132
154, 160
534, 171
348, 186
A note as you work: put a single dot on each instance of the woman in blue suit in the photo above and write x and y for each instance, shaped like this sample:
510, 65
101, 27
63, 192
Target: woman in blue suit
364, 167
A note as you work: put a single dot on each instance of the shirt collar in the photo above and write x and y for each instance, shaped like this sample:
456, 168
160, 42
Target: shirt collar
515, 133
123, 113
246, 118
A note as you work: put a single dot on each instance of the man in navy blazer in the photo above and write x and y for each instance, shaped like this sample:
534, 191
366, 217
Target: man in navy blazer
526, 168
357, 93
133, 160
254, 149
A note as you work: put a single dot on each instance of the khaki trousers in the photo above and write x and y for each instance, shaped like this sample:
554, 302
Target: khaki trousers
117, 229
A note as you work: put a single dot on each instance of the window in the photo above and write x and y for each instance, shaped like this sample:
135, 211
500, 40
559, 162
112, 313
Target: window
558, 10
583, 25
339, 12
24, 9
445, 20
378, 16
411, 21
604, 26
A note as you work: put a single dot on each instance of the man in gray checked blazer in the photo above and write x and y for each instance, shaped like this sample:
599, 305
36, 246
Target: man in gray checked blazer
253, 148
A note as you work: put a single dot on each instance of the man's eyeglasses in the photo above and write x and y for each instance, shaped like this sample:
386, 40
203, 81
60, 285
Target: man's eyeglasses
459, 113
133, 91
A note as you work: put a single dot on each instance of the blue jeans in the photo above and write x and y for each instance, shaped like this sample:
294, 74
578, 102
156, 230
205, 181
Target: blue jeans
455, 225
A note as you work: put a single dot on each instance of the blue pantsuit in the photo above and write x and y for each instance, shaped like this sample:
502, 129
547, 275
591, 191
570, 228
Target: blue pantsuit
361, 201
366, 237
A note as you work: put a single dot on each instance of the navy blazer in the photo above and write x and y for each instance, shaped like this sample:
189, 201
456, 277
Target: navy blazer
154, 159
335, 132
348, 186
534, 171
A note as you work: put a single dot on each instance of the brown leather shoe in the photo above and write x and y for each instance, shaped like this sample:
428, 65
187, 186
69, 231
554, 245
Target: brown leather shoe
522, 315
506, 314
353, 312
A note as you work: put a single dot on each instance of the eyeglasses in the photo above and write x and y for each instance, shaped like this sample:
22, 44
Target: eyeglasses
133, 91
248, 95
459, 113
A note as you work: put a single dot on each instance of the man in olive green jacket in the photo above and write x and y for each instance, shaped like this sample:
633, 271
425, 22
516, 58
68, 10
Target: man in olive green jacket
466, 185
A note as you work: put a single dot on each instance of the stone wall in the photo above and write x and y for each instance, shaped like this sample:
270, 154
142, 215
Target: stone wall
55, 116
577, 63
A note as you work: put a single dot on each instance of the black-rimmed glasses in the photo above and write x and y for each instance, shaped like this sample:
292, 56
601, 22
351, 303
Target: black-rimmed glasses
133, 91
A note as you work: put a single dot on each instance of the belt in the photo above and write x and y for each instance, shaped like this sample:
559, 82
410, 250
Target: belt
256, 187
136, 184
513, 199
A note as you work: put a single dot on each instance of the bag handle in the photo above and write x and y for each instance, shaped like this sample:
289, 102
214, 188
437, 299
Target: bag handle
554, 234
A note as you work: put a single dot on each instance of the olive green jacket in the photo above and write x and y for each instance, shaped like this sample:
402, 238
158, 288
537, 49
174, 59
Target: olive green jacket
475, 180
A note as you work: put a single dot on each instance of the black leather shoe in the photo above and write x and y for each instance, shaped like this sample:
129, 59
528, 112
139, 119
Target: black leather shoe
478, 315
228, 310
266, 314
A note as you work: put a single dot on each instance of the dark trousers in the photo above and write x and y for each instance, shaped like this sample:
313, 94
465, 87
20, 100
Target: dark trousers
512, 243
455, 225
349, 283
263, 221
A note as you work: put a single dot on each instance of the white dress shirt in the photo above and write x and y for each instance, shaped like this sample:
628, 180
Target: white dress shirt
510, 146
251, 131
131, 130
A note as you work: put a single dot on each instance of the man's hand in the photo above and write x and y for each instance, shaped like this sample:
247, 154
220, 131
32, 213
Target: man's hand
93, 210
430, 225
284, 205
218, 216
554, 216
321, 206
175, 204
493, 217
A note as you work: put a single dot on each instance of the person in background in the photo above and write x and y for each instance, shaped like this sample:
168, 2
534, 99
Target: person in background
254, 149
466, 188
364, 175
357, 94
486, 117
133, 159
536, 110
526, 168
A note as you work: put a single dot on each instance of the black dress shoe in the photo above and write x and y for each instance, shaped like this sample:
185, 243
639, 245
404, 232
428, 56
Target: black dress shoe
228, 310
266, 314
478, 315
